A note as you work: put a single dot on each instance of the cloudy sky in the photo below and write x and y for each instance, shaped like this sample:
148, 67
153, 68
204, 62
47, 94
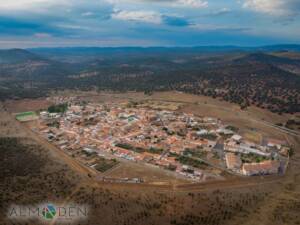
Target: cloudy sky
40, 23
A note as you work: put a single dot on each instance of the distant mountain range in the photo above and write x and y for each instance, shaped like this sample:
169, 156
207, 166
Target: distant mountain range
90, 52
267, 76
87, 50
14, 56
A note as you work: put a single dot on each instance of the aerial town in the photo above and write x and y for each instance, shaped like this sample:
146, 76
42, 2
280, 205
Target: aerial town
99, 135
150, 112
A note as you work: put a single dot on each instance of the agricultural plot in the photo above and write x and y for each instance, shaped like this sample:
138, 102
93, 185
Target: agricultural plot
103, 164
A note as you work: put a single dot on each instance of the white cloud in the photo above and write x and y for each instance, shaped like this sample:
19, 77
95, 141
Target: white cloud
221, 11
87, 14
142, 16
42, 35
274, 7
216, 27
191, 3
266, 6
171, 3
73, 27
18, 4
47, 6
27, 4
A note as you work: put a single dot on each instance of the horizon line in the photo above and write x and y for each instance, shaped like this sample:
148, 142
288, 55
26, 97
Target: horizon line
159, 46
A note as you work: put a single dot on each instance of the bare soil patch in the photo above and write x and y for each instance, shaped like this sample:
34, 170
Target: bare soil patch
148, 173
24, 105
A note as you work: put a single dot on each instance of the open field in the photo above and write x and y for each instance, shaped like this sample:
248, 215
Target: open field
171, 106
148, 173
255, 200
16, 106
253, 136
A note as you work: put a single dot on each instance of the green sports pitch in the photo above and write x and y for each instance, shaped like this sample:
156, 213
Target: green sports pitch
26, 116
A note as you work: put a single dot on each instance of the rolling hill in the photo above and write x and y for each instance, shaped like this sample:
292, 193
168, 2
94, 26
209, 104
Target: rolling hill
15, 56
246, 76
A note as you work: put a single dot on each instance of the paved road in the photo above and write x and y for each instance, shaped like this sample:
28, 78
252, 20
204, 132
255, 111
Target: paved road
219, 148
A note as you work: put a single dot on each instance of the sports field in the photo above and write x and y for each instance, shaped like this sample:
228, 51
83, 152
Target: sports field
26, 116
